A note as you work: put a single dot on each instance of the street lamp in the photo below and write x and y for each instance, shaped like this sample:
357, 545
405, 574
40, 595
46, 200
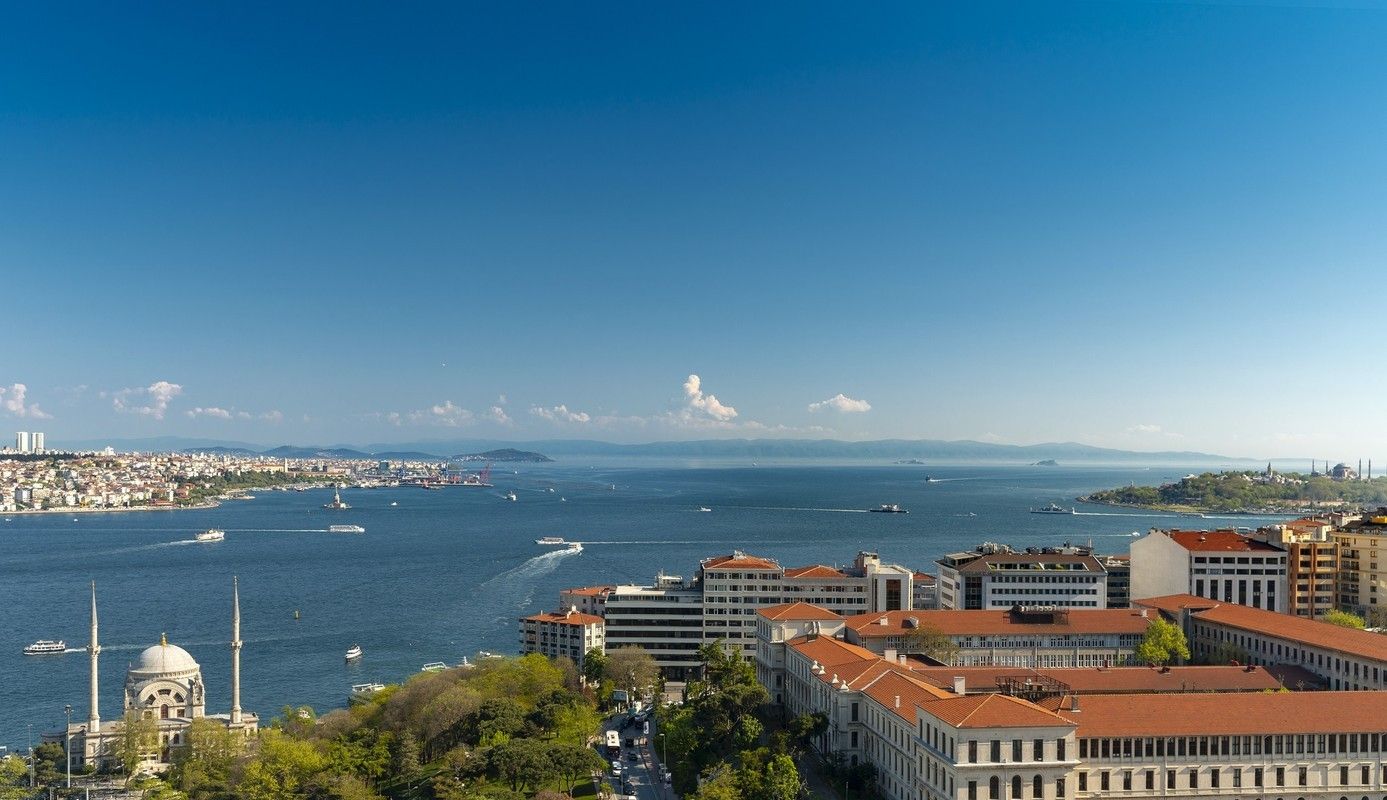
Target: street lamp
67, 746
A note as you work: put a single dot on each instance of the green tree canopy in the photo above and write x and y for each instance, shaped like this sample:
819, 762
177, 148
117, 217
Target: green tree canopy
1343, 619
1164, 642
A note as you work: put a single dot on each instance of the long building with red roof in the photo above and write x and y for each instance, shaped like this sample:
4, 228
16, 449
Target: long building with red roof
1223, 565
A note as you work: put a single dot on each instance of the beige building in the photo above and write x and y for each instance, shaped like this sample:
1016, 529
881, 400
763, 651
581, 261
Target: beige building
1362, 544
568, 633
1312, 564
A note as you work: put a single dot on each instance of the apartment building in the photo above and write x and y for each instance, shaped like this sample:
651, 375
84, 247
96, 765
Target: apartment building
1119, 569
1015, 637
1223, 565
1312, 564
1343, 658
587, 599
1362, 545
1002, 580
568, 633
933, 743
926, 591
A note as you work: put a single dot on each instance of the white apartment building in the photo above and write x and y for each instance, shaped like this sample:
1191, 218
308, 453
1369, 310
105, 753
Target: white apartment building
587, 599
1020, 637
36, 440
930, 743
1344, 658
568, 633
1220, 565
21, 442
925, 592
977, 580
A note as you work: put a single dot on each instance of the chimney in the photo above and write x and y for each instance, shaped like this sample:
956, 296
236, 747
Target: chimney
883, 622
890, 654
898, 701
960, 685
1143, 613
902, 658
1074, 703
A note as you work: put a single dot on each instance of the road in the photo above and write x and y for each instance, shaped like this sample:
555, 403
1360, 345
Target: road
643, 774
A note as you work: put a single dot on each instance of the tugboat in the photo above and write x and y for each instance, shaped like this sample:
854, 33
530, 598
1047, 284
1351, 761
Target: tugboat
336, 504
888, 508
1052, 509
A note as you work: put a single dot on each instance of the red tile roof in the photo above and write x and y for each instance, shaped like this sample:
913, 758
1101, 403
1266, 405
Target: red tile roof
1112, 680
1256, 713
993, 622
1349, 641
994, 711
591, 591
1023, 562
566, 618
738, 560
813, 571
1219, 541
797, 611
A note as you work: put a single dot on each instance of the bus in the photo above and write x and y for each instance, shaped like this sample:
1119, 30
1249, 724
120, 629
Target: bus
613, 744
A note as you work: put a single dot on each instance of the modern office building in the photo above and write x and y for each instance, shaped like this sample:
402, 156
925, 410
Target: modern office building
665, 619
1119, 569
22, 442
1224, 565
1003, 580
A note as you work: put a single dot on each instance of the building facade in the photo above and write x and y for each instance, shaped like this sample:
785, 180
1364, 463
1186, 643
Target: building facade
1223, 565
1002, 580
1312, 564
1362, 546
665, 619
568, 633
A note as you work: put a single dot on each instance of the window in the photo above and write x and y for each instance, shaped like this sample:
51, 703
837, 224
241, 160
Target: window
1037, 788
1237, 778
1059, 787
1343, 776
1150, 779
1059, 750
994, 788
854, 712
1304, 776
1016, 750
1366, 776
1257, 777
1213, 777
1170, 779
972, 751
1194, 778
1016, 787
1280, 776
1083, 781
1103, 780
996, 751
1127, 781
853, 740
1038, 750
972, 790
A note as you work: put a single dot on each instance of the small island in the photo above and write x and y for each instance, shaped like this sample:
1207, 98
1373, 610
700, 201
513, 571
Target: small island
1249, 492
507, 454
911, 461
1049, 462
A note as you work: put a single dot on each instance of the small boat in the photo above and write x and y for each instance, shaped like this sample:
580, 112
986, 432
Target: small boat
704, 508
611, 488
336, 504
465, 663
45, 647
366, 688
551, 490
575, 547
211, 535
551, 540
393, 503
345, 529
1052, 509
888, 508
929, 479
488, 654
511, 496
354, 652
433, 666
561, 500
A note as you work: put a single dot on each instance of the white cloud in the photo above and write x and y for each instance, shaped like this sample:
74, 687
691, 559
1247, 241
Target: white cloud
841, 403
501, 400
498, 415
1146, 429
273, 415
16, 404
706, 403
446, 414
394, 418
560, 413
151, 401
218, 413
1143, 428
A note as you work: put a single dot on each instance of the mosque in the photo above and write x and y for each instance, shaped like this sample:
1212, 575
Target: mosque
164, 685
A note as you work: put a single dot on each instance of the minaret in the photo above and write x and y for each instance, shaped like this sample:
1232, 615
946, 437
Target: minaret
235, 653
94, 650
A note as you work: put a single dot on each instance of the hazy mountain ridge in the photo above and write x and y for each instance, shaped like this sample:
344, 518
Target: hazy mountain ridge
886, 449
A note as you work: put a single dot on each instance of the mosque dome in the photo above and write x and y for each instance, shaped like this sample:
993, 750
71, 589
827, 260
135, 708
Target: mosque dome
164, 659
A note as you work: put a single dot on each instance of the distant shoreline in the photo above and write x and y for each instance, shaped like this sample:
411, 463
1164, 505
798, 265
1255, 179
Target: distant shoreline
118, 510
1200, 511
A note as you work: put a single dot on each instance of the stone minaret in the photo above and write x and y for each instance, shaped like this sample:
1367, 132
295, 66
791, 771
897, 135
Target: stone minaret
235, 653
94, 650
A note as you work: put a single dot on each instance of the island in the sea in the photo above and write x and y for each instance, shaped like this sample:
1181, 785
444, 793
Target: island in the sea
912, 461
507, 454
1049, 462
1252, 492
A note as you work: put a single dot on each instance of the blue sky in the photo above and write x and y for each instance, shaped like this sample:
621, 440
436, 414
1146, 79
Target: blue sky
1144, 225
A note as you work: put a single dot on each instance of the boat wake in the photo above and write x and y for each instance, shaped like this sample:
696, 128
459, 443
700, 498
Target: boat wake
541, 564
796, 508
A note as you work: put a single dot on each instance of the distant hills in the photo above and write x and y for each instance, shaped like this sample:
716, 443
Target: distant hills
890, 450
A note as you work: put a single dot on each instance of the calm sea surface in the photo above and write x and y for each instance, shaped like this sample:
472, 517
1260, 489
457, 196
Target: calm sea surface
444, 574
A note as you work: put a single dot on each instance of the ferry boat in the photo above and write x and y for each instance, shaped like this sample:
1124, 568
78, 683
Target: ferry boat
336, 503
345, 529
211, 535
354, 652
551, 540
1052, 509
44, 647
433, 666
888, 508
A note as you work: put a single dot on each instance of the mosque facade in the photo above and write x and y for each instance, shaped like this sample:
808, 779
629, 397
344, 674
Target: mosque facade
163, 685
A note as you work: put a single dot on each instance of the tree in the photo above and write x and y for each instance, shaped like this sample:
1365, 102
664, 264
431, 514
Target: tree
632, 668
930, 642
139, 738
1343, 619
202, 767
1163, 643
575, 762
594, 666
521, 763
780, 781
14, 779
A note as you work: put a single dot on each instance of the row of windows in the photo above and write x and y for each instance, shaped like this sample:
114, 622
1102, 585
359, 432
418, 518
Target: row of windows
1017, 748
1323, 744
994, 787
1214, 777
